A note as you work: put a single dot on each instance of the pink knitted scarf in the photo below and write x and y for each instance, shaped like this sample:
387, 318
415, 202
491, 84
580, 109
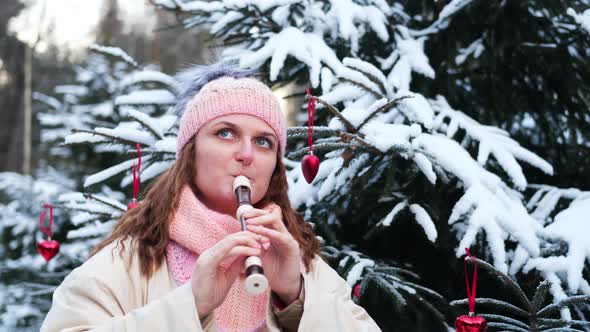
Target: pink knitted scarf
194, 229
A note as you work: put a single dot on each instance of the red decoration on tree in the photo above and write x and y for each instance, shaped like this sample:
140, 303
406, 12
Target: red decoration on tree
357, 291
134, 203
310, 164
47, 248
470, 322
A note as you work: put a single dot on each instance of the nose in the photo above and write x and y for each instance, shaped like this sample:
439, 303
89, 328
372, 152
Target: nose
245, 153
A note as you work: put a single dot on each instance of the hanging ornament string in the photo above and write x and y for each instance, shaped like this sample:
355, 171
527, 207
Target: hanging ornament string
47, 248
136, 171
470, 322
310, 117
136, 179
47, 231
310, 164
470, 290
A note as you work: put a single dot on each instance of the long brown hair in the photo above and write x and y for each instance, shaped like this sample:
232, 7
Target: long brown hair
148, 223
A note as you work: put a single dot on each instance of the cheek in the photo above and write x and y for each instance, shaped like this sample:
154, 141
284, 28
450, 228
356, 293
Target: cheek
266, 170
210, 157
209, 165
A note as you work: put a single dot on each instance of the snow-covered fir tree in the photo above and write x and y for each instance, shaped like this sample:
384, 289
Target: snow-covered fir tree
412, 170
407, 174
27, 281
99, 119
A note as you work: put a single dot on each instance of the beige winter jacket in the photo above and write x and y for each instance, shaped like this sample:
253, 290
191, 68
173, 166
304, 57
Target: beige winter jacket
108, 293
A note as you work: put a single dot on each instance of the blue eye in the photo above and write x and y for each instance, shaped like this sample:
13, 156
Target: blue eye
264, 142
222, 133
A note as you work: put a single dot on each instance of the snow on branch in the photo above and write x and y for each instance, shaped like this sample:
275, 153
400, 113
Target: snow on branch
146, 97
112, 171
114, 52
444, 17
492, 141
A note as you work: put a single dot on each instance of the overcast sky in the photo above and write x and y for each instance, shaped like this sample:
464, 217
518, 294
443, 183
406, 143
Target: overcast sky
74, 21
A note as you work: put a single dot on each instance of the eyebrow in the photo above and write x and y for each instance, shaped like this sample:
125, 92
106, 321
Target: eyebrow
233, 126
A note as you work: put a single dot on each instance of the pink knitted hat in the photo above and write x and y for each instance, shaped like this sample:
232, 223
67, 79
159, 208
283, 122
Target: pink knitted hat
229, 95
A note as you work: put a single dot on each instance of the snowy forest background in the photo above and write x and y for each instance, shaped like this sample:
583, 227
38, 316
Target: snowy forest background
440, 125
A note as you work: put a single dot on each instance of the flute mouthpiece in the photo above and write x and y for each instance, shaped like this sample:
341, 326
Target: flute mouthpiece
241, 181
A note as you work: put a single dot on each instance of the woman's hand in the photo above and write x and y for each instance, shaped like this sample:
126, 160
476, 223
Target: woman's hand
211, 282
281, 261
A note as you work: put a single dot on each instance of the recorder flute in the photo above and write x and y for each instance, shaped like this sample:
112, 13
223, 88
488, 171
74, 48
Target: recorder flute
256, 282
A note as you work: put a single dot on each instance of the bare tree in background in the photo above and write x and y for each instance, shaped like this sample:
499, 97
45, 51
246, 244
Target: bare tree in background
12, 53
168, 45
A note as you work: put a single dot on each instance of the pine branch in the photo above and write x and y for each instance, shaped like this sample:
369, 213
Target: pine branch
399, 300
141, 119
540, 295
348, 125
78, 208
563, 329
504, 280
106, 50
42, 291
352, 64
361, 141
96, 198
227, 36
545, 323
564, 303
114, 138
433, 309
155, 155
366, 88
494, 303
323, 132
396, 270
504, 319
507, 327
425, 290
266, 18
317, 132
69, 208
322, 147
382, 109
561, 322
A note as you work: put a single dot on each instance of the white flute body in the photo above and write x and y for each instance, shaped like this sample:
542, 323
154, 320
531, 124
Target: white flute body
256, 282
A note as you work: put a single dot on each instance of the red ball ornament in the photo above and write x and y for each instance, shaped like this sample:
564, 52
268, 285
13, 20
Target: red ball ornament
310, 164
470, 323
48, 249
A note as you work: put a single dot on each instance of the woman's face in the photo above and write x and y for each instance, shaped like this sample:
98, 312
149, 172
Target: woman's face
228, 146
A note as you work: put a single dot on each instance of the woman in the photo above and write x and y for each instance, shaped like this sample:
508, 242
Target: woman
180, 254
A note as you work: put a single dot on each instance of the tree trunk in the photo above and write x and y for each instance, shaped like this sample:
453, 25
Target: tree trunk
12, 53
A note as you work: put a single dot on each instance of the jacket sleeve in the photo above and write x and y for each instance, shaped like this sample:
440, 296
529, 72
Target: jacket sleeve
288, 317
88, 304
328, 305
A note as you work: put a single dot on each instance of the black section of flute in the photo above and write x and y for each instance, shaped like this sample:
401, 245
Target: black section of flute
254, 269
243, 195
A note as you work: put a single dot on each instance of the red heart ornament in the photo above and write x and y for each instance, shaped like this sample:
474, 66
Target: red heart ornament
470, 323
133, 204
48, 249
310, 166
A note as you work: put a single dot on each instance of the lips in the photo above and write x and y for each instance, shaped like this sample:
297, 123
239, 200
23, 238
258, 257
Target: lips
249, 178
